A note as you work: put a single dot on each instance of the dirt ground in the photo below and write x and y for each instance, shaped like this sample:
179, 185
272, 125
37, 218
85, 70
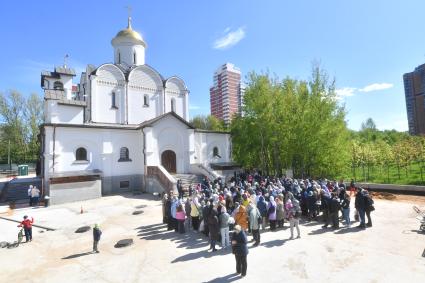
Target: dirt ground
390, 251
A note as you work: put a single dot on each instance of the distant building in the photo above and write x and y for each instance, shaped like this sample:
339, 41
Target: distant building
226, 95
414, 89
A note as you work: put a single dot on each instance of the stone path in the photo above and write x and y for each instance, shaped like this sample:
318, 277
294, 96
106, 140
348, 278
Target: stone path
388, 252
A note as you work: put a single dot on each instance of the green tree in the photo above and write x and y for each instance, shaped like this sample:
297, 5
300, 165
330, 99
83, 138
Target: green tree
209, 122
291, 124
20, 119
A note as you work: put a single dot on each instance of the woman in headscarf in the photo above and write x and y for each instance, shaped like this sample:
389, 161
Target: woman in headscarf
271, 211
280, 211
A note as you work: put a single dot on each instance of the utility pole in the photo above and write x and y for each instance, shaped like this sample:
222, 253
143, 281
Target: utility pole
8, 157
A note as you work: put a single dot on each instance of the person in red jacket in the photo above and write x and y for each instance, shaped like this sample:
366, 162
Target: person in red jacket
27, 224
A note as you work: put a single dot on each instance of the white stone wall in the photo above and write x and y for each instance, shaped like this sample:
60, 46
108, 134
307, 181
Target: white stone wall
205, 143
103, 150
175, 89
109, 79
168, 134
143, 80
59, 113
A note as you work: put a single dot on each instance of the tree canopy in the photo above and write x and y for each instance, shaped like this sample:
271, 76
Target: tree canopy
20, 120
209, 122
293, 124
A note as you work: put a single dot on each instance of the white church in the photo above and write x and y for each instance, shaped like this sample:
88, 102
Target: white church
123, 127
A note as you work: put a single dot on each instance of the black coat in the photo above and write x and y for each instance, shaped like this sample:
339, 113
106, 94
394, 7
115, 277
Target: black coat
96, 234
240, 248
360, 201
213, 225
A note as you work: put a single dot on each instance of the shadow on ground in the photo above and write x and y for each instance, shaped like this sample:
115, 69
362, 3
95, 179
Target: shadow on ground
348, 230
274, 243
77, 255
189, 240
228, 278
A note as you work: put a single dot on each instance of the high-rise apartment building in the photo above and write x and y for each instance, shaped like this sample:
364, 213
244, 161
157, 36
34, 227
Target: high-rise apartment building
226, 95
414, 90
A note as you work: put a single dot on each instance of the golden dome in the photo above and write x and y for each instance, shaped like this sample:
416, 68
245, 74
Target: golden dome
130, 33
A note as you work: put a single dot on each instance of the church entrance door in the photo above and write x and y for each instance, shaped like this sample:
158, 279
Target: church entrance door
168, 161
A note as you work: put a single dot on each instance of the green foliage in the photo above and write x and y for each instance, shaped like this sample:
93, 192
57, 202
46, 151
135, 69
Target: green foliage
207, 123
20, 119
291, 124
385, 156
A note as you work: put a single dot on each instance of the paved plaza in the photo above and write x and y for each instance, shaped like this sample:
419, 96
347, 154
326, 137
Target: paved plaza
388, 252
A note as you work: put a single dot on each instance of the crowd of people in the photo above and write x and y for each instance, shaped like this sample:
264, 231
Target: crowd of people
254, 202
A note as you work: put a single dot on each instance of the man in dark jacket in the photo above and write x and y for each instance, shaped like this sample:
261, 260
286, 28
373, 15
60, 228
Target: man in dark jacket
240, 250
96, 237
334, 206
262, 207
361, 207
214, 228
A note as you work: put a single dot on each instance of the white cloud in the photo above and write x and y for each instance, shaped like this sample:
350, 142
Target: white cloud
350, 91
230, 38
376, 86
194, 107
346, 91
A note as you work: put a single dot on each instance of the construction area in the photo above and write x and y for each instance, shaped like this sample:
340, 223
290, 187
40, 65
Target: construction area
390, 251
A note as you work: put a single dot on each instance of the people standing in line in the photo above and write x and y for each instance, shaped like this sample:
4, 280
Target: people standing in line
195, 213
214, 228
180, 217
164, 209
168, 206
240, 250
262, 207
30, 195
333, 209
224, 227
35, 195
180, 188
96, 237
361, 207
293, 212
254, 222
271, 211
241, 217
188, 210
205, 216
27, 225
174, 205
345, 204
280, 211
368, 207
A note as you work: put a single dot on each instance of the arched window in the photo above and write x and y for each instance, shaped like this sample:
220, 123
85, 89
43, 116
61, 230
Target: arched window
124, 155
114, 100
81, 154
119, 57
146, 100
134, 57
215, 152
173, 104
58, 85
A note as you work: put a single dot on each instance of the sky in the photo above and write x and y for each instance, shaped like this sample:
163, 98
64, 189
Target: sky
365, 45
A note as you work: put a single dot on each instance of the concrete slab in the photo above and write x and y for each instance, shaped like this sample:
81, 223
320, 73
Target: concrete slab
388, 252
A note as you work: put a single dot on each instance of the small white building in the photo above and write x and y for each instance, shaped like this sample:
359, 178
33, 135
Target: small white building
122, 128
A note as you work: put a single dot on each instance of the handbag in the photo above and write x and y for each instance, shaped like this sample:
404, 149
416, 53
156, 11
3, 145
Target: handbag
371, 208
